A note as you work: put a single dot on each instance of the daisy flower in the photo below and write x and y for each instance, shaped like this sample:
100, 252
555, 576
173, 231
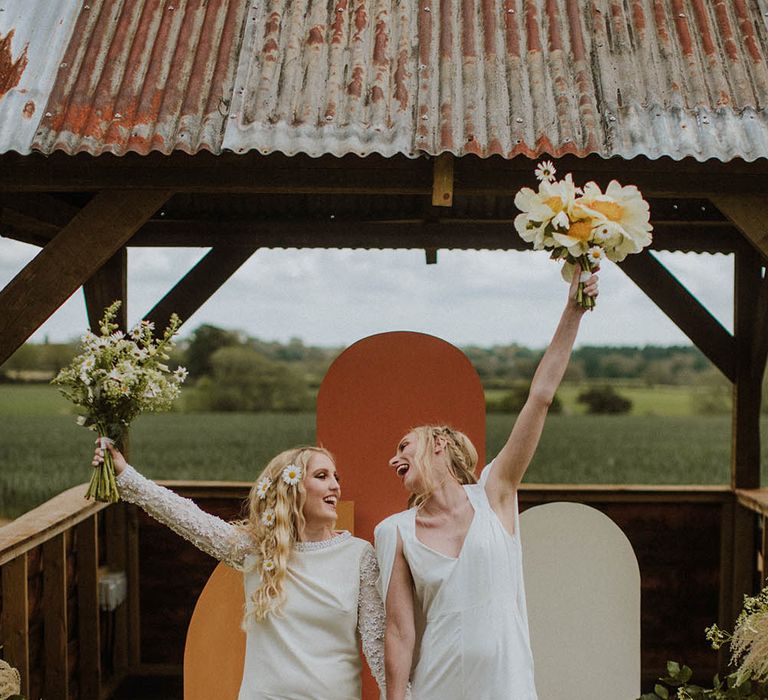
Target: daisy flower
262, 486
268, 517
545, 171
595, 255
268, 565
292, 475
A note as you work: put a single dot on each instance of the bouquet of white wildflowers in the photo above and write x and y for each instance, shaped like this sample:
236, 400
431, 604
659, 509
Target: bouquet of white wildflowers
114, 379
582, 226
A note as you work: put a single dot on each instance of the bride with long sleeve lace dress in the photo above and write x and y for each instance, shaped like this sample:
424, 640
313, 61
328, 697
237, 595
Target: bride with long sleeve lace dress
310, 591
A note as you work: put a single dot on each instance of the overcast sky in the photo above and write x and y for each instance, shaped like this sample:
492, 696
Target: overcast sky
335, 297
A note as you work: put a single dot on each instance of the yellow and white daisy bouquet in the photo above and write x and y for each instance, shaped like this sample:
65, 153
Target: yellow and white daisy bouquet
582, 226
114, 379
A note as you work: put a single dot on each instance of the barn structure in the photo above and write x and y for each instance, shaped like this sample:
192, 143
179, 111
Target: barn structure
238, 125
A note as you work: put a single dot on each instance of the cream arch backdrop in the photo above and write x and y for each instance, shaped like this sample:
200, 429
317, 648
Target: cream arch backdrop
582, 585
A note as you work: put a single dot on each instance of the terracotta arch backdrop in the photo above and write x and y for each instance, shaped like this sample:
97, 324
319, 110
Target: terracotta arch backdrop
373, 393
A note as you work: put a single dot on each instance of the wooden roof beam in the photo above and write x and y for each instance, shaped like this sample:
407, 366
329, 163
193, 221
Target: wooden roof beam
748, 213
199, 284
77, 252
276, 173
683, 309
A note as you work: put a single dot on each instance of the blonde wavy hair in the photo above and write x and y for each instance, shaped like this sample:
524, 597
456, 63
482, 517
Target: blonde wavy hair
283, 504
462, 458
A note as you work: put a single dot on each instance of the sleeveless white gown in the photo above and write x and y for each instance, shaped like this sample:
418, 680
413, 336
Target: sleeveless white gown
474, 641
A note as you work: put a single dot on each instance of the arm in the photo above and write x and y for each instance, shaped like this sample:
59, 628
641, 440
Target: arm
207, 532
512, 462
400, 634
370, 617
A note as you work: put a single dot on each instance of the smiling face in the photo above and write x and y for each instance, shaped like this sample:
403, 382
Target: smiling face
323, 491
405, 463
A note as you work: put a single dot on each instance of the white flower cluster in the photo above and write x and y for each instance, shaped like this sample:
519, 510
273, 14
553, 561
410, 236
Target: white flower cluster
582, 225
116, 376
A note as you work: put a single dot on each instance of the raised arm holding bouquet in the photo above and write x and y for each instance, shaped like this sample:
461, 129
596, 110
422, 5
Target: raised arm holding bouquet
582, 226
114, 379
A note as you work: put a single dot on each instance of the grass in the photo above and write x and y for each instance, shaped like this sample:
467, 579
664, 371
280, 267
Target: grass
672, 401
43, 452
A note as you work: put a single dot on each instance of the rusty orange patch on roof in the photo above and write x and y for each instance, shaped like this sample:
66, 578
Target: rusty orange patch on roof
10, 70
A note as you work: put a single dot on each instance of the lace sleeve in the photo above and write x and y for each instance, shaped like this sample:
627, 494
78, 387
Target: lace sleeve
370, 616
207, 532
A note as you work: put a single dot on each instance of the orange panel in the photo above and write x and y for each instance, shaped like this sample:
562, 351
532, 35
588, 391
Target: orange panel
374, 392
215, 646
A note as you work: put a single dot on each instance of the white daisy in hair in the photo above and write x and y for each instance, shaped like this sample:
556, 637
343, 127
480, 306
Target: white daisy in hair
268, 517
262, 486
268, 565
292, 475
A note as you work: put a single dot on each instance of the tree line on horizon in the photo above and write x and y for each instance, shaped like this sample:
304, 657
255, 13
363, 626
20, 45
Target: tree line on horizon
230, 370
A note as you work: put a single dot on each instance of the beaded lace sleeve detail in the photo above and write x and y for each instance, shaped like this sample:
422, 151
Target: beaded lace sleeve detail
370, 616
207, 532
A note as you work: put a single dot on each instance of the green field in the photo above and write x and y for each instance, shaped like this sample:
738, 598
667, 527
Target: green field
673, 401
43, 452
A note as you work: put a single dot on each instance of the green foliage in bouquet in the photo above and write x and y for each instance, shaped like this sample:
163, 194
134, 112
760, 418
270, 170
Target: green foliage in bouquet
749, 654
114, 379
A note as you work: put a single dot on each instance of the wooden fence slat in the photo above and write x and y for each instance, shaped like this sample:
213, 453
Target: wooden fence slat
86, 533
14, 626
134, 606
117, 559
55, 677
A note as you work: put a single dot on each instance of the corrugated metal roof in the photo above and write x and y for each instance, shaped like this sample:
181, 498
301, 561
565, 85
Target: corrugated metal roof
33, 36
610, 77
143, 75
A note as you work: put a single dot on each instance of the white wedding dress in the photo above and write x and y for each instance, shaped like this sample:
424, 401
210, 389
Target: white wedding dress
471, 609
332, 604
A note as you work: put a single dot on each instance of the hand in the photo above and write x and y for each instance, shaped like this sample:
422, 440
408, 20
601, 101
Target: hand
117, 457
590, 285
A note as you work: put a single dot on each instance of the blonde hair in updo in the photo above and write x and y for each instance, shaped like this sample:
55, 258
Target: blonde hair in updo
274, 543
462, 458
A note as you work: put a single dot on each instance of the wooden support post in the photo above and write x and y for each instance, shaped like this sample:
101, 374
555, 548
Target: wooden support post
442, 181
197, 286
739, 558
81, 248
107, 285
431, 256
89, 656
56, 675
747, 389
14, 621
684, 309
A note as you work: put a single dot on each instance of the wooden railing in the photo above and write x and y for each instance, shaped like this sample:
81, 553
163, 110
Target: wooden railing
52, 630
50, 627
756, 501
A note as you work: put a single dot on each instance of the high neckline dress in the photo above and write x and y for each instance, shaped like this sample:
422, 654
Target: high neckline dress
471, 609
332, 605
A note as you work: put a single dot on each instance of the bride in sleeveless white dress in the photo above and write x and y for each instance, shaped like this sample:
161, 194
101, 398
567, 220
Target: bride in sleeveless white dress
310, 591
451, 566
